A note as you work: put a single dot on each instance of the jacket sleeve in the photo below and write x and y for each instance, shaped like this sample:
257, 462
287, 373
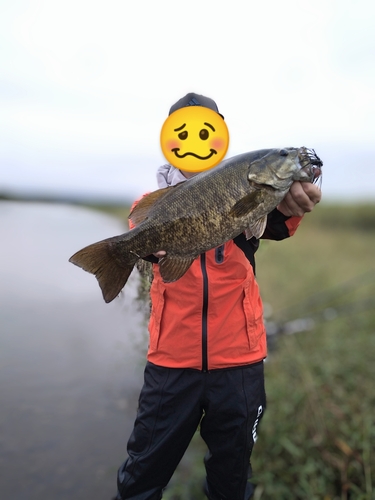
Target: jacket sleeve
279, 226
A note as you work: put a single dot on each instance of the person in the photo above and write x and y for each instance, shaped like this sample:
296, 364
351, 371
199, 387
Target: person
205, 359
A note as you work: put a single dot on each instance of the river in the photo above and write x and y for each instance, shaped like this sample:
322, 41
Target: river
71, 366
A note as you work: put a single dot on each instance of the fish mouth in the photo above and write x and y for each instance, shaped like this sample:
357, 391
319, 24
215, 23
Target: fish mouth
175, 151
310, 163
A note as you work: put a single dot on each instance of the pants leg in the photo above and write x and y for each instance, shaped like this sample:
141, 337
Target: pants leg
168, 416
235, 402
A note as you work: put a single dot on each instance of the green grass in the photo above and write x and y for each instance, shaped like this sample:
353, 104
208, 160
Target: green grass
319, 257
317, 439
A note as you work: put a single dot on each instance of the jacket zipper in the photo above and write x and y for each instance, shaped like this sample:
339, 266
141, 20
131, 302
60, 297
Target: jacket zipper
204, 313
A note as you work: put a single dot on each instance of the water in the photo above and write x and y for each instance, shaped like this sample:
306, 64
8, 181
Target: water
71, 366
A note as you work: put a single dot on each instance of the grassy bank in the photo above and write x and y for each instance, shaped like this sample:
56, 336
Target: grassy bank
317, 439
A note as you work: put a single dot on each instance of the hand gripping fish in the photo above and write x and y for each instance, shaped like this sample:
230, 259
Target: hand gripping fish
202, 213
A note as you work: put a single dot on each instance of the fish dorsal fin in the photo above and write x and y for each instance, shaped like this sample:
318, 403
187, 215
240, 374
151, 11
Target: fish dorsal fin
173, 268
246, 204
141, 210
256, 229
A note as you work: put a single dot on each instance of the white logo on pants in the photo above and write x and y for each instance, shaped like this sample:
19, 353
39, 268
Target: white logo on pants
254, 431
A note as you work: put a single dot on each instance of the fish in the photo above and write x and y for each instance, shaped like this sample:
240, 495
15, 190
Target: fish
199, 214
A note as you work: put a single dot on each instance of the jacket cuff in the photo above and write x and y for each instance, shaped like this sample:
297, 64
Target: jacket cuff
280, 226
292, 224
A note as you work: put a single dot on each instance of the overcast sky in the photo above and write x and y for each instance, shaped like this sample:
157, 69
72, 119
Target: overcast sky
85, 86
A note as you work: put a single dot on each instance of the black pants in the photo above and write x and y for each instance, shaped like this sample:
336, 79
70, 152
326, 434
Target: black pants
227, 403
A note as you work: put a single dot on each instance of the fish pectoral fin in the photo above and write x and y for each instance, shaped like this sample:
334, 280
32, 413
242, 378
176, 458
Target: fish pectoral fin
256, 229
141, 210
246, 204
99, 259
173, 268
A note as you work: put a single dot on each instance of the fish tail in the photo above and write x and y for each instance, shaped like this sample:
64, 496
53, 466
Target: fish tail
102, 260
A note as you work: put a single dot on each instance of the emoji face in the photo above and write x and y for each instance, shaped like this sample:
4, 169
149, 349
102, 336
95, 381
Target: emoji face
194, 138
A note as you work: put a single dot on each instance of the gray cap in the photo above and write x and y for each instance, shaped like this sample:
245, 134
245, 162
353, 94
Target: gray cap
192, 99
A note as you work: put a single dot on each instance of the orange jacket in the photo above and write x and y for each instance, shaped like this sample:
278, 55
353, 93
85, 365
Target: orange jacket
212, 317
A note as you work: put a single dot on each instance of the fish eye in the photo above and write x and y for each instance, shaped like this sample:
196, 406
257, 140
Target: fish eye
183, 135
203, 134
284, 152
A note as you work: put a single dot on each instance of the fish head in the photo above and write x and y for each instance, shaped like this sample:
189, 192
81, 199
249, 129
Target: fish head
279, 168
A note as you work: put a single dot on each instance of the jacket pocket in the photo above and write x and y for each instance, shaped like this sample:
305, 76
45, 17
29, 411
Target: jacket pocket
253, 310
156, 316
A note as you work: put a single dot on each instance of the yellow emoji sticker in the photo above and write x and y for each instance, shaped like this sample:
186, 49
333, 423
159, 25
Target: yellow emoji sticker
194, 138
